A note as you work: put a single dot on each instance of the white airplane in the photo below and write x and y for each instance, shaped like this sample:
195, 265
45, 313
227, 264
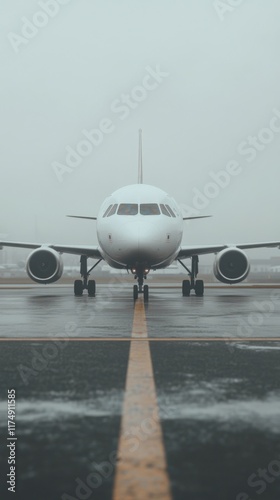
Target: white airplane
139, 228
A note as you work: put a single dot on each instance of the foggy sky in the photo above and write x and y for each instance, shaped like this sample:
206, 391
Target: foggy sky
221, 85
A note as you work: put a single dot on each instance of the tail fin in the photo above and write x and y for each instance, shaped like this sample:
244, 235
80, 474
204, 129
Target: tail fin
140, 166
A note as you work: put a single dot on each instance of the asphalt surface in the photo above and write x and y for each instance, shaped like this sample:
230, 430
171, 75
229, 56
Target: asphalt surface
216, 366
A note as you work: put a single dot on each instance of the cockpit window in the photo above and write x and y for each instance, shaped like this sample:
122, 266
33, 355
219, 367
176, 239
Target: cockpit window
128, 209
112, 210
107, 211
164, 210
170, 210
149, 209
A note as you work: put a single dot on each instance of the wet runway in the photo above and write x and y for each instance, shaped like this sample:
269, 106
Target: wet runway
175, 399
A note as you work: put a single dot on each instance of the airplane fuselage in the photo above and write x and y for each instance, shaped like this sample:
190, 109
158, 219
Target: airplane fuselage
139, 226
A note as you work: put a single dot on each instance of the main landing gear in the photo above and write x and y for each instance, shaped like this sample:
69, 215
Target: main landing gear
193, 283
85, 283
140, 275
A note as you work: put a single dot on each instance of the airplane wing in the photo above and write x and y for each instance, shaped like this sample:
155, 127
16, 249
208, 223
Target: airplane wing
81, 217
90, 251
187, 251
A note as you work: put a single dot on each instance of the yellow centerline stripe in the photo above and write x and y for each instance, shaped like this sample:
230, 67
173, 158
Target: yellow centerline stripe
141, 471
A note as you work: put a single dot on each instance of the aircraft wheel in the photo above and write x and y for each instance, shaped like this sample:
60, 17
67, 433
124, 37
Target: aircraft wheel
199, 288
135, 292
186, 288
78, 288
146, 293
91, 288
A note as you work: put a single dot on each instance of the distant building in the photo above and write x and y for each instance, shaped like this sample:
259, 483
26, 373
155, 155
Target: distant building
265, 265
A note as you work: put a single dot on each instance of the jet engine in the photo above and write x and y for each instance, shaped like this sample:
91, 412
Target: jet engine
231, 266
44, 265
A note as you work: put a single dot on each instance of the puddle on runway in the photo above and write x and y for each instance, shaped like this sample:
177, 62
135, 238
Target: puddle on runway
250, 347
50, 410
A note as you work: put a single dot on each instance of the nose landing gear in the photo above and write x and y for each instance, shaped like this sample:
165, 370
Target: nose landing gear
193, 283
140, 275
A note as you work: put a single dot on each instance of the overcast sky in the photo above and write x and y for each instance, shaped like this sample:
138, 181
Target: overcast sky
201, 78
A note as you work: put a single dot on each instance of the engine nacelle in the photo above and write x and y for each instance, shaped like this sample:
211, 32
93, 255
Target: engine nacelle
231, 266
44, 265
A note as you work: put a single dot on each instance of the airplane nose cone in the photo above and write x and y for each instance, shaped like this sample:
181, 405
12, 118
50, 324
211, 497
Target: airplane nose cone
140, 242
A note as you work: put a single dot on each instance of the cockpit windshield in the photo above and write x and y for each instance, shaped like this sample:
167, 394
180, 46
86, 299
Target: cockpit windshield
113, 210
167, 210
107, 211
170, 210
149, 209
145, 209
128, 209
164, 210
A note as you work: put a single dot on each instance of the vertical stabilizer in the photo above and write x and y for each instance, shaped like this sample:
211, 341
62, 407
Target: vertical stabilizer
140, 165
